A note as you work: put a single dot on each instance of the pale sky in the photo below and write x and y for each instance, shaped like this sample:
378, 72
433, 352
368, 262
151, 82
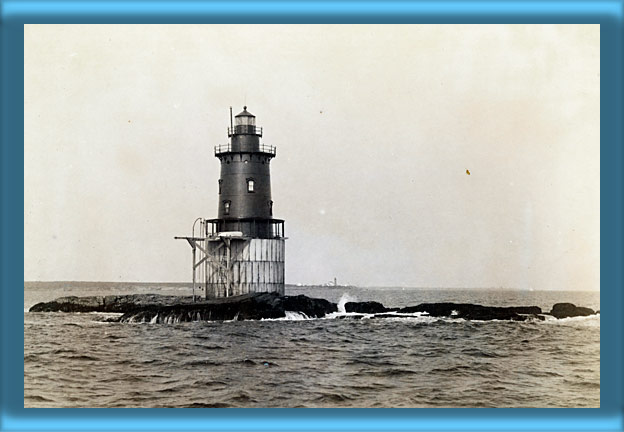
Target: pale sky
375, 127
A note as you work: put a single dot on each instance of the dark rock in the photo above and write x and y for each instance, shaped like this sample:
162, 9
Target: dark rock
247, 307
529, 310
71, 304
152, 307
232, 308
391, 315
111, 303
566, 310
170, 309
473, 311
311, 307
369, 307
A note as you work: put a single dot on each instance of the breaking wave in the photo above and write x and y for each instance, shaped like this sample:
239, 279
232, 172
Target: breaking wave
346, 298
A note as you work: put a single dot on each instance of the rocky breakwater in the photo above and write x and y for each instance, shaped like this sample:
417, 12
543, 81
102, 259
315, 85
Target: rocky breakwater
169, 309
246, 307
451, 310
468, 311
111, 303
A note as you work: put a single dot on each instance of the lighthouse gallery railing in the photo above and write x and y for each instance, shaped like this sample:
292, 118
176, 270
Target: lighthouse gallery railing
245, 130
262, 148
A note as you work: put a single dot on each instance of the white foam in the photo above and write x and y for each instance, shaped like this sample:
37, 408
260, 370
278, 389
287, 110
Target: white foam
339, 314
295, 316
580, 321
346, 298
418, 317
290, 316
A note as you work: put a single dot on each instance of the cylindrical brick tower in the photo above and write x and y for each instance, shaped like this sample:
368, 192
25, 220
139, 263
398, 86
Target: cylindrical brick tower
253, 257
245, 185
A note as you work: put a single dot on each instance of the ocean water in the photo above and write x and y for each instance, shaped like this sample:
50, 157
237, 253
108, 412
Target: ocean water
80, 360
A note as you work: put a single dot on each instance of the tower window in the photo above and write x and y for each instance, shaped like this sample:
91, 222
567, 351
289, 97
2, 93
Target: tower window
220, 183
270, 204
226, 207
250, 185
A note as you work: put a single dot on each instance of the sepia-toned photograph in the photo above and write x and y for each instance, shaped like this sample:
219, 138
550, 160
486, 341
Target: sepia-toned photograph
311, 216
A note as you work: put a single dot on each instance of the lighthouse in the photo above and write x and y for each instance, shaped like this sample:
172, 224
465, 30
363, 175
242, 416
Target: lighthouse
242, 250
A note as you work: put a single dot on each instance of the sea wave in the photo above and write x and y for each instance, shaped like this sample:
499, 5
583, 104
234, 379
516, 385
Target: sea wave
291, 316
580, 321
337, 361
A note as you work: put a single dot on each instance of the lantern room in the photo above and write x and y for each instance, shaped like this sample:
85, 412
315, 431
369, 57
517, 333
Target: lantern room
245, 124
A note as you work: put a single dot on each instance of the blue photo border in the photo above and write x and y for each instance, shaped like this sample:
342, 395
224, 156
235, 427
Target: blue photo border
15, 14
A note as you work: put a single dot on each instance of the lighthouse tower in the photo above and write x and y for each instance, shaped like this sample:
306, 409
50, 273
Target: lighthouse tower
242, 250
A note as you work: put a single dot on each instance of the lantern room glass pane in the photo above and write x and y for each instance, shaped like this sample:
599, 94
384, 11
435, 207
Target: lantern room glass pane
245, 121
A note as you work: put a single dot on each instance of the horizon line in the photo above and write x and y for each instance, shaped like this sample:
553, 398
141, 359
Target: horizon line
323, 285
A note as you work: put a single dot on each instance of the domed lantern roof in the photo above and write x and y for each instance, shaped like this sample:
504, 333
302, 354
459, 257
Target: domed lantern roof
245, 113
